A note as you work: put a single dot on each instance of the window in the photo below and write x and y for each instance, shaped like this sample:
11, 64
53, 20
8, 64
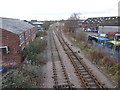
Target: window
21, 38
4, 49
27, 34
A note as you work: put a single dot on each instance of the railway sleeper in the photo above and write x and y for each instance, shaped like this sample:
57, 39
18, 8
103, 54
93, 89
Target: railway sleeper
56, 82
58, 78
93, 85
87, 77
84, 73
54, 69
80, 65
55, 74
89, 80
61, 83
82, 70
61, 80
62, 87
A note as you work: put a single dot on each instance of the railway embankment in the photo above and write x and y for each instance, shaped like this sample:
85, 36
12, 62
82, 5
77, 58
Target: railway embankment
106, 64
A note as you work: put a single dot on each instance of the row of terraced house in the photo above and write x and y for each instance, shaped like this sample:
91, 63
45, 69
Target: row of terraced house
15, 35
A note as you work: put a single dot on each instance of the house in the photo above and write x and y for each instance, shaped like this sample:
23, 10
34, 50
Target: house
15, 34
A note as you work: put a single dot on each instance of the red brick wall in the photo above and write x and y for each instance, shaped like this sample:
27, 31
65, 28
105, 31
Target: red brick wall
13, 58
12, 40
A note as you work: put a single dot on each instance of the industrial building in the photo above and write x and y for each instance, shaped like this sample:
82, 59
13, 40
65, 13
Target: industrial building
15, 34
102, 24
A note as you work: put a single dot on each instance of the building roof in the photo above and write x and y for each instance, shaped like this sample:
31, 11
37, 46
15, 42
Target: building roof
113, 21
37, 23
14, 25
104, 21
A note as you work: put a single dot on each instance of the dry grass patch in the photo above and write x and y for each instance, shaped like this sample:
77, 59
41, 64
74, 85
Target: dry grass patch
107, 64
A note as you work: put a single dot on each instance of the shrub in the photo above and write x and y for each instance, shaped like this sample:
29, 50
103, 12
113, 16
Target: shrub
27, 76
96, 55
41, 34
81, 36
35, 48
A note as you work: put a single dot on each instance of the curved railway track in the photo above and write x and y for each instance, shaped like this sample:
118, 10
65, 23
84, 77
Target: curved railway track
87, 78
60, 76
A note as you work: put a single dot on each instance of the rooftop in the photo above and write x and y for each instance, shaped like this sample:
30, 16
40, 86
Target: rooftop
14, 25
105, 21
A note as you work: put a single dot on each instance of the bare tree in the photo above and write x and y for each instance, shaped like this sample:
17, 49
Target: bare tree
72, 23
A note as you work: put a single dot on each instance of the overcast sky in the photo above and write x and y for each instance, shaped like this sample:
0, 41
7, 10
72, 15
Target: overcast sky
57, 9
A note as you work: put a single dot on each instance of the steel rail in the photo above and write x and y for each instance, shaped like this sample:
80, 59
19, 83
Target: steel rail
65, 77
79, 72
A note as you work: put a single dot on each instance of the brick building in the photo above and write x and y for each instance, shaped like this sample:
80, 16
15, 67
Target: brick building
15, 34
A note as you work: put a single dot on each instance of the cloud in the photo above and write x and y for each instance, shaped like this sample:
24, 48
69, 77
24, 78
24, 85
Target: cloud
55, 9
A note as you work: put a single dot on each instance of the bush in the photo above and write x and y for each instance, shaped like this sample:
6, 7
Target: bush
34, 49
81, 36
41, 34
27, 76
96, 55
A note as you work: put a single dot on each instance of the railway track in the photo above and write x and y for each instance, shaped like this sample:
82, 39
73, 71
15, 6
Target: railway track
60, 76
87, 78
